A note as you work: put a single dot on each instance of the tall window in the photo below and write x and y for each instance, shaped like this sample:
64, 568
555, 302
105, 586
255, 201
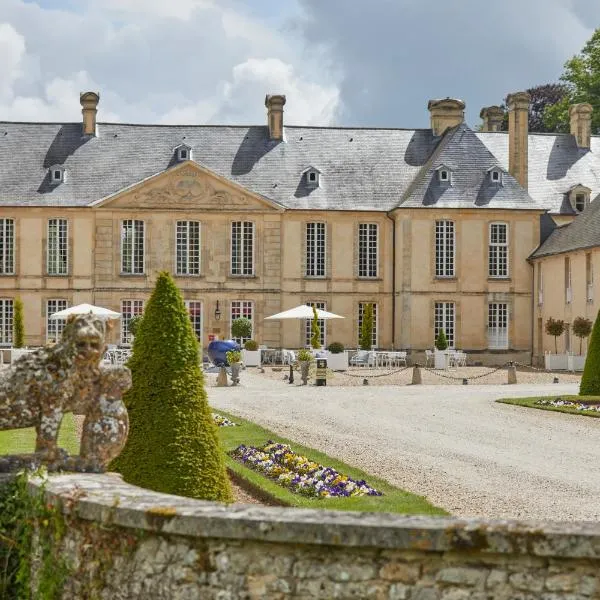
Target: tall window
445, 318
188, 248
7, 246
498, 325
58, 247
315, 249
361, 312
367, 249
242, 248
498, 250
6, 321
242, 308
589, 277
320, 322
132, 247
568, 288
195, 311
129, 308
54, 327
444, 249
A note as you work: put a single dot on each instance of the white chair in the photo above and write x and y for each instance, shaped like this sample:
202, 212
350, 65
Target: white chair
460, 359
360, 359
429, 356
398, 358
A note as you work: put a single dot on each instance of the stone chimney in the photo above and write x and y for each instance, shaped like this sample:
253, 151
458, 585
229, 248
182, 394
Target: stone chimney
581, 123
274, 106
89, 108
518, 136
445, 113
492, 118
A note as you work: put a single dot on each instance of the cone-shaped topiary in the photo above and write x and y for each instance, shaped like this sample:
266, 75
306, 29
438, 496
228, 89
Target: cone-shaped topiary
18, 324
441, 342
315, 330
590, 380
173, 444
366, 330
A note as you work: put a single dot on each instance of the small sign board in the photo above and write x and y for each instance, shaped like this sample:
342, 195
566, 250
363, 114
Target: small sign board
321, 372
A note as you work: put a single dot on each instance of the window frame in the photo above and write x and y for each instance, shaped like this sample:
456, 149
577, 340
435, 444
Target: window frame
243, 249
197, 323
135, 269
188, 253
375, 331
57, 259
444, 313
55, 326
243, 304
137, 308
498, 337
495, 251
7, 250
6, 321
441, 249
366, 263
313, 252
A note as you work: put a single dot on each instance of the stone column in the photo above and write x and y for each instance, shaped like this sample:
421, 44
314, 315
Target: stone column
580, 116
518, 136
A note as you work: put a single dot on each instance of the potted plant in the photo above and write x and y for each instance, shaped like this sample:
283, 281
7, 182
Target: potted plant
440, 357
337, 357
251, 354
315, 339
366, 330
582, 328
234, 359
241, 329
305, 357
18, 349
556, 361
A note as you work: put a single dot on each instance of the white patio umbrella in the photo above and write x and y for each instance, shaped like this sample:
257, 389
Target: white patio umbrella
86, 309
303, 312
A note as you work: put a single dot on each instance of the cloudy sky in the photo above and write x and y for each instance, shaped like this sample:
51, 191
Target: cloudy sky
340, 62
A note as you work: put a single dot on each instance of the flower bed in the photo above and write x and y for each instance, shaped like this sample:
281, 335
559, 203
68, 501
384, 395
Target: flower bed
300, 475
568, 403
223, 421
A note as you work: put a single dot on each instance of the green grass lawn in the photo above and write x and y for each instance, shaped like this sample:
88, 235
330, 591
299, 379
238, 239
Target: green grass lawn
22, 441
394, 500
531, 403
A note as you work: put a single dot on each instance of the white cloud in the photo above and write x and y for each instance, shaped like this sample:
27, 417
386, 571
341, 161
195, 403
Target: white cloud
12, 50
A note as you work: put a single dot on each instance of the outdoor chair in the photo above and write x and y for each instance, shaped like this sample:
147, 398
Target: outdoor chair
460, 359
397, 358
363, 358
429, 356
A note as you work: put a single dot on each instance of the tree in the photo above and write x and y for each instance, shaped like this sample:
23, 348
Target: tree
241, 328
556, 328
441, 342
134, 324
582, 328
366, 329
173, 443
582, 80
18, 324
542, 97
590, 380
315, 338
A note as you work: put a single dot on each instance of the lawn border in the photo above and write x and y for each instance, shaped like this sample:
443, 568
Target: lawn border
529, 402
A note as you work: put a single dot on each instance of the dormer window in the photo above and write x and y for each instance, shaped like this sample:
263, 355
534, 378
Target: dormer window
183, 152
312, 177
58, 174
495, 175
579, 197
444, 174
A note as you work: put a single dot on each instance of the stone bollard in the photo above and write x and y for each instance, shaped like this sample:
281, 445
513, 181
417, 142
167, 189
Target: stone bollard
222, 378
512, 374
416, 378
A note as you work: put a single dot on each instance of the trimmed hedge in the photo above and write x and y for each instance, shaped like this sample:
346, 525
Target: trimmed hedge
590, 380
173, 443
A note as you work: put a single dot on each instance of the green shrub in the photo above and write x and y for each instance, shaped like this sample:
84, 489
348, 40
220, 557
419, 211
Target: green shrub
251, 345
366, 329
134, 324
305, 355
241, 328
441, 342
173, 443
336, 347
556, 328
582, 328
233, 356
315, 339
590, 380
18, 324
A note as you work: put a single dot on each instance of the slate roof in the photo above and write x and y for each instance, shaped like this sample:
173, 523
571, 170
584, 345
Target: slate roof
461, 151
556, 164
361, 168
582, 232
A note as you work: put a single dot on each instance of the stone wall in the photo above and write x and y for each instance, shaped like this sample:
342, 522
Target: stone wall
125, 542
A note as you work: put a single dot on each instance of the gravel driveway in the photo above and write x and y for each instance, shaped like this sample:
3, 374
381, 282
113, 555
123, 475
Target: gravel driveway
452, 444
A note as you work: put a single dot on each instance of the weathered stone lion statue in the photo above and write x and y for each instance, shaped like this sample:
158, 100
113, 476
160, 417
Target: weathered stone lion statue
42, 386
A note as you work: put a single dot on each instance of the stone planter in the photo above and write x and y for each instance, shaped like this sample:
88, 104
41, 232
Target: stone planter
575, 362
304, 366
337, 362
251, 358
235, 372
556, 362
440, 359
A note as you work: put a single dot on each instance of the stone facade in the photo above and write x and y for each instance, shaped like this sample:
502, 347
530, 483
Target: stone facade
126, 543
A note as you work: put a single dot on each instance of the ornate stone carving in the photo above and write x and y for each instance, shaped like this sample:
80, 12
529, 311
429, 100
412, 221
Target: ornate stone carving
42, 386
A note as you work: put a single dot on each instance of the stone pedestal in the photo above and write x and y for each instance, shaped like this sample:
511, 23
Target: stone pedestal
222, 378
416, 376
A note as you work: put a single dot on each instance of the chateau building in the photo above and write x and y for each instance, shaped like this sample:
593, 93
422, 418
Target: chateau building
439, 228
